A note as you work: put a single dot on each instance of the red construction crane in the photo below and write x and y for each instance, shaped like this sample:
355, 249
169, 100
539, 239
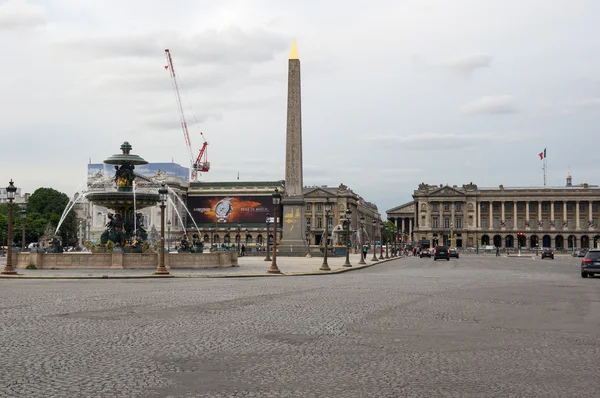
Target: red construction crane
201, 162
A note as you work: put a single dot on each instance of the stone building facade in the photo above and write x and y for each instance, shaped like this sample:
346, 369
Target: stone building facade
403, 217
254, 234
560, 217
341, 198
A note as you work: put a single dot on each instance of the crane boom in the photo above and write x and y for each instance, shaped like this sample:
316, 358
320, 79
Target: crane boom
199, 161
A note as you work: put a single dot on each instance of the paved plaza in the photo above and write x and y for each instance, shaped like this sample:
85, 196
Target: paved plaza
480, 326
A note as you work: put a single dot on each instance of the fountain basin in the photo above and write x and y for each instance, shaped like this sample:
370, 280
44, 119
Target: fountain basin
123, 199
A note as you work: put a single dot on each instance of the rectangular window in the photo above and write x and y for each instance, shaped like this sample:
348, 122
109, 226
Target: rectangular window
582, 206
308, 207
458, 205
496, 207
484, 222
435, 222
308, 221
446, 206
569, 206
557, 206
520, 206
484, 207
532, 207
545, 207
594, 206
507, 206
330, 223
319, 222
458, 222
435, 206
496, 223
319, 207
446, 222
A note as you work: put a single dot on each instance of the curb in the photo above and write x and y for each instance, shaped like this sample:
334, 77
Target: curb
190, 276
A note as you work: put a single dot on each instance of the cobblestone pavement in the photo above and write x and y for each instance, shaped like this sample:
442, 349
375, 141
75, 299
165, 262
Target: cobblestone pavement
473, 327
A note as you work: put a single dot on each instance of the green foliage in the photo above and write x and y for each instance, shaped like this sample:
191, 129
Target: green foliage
31, 266
45, 206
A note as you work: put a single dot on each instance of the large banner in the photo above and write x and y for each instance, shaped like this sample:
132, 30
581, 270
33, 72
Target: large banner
231, 209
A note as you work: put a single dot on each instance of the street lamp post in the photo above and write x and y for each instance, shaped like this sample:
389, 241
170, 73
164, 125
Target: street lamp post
268, 258
307, 235
374, 242
386, 230
477, 243
163, 196
381, 242
325, 266
23, 219
362, 243
88, 236
348, 244
169, 236
276, 202
239, 238
10, 194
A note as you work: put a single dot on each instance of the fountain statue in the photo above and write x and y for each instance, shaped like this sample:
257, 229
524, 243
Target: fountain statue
124, 229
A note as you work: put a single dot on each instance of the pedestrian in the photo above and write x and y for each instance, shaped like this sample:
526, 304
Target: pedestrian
364, 252
497, 251
243, 250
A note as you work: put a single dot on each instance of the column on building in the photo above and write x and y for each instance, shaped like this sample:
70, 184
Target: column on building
452, 214
539, 216
478, 207
590, 210
491, 220
526, 211
403, 224
577, 226
552, 211
564, 212
410, 227
515, 224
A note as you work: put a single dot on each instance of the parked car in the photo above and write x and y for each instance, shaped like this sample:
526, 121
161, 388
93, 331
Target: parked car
441, 252
590, 264
453, 252
547, 252
425, 253
580, 253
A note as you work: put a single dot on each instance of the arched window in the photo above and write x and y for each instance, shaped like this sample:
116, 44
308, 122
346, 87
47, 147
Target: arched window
206, 238
248, 239
217, 240
259, 240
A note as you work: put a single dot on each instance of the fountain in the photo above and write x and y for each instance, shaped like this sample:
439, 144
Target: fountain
124, 231
124, 243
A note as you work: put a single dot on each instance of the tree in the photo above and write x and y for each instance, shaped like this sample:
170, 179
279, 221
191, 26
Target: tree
46, 206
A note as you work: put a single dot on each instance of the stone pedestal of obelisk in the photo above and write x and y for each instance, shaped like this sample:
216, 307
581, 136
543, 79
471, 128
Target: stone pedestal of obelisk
292, 240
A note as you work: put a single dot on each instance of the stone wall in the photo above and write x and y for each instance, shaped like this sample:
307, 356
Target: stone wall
125, 260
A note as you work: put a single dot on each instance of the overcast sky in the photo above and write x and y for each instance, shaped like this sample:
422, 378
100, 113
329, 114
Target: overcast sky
393, 92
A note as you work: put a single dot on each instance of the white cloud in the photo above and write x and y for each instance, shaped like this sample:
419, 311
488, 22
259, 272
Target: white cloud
588, 103
465, 65
18, 14
499, 104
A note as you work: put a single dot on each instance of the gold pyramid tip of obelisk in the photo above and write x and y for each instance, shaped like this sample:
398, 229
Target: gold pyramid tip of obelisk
294, 51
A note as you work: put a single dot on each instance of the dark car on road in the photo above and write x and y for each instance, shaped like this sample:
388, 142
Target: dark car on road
453, 252
547, 252
590, 264
580, 253
425, 253
441, 252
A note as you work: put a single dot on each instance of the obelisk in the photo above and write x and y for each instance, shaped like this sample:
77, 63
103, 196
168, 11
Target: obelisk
293, 201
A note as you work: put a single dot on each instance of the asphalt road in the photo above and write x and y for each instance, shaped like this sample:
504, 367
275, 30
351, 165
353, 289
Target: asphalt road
473, 327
